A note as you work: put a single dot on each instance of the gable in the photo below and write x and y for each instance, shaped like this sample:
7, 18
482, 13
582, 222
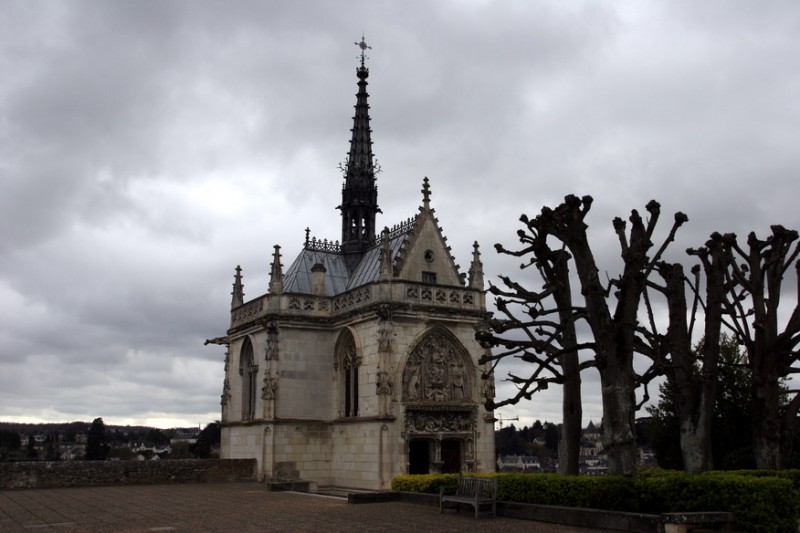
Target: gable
427, 252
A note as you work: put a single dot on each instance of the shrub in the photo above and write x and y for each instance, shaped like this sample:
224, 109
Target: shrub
425, 483
761, 501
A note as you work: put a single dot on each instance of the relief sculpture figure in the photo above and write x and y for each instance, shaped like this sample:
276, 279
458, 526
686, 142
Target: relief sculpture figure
412, 388
457, 380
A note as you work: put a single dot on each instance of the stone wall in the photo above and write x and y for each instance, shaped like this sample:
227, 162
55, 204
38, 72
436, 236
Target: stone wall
47, 474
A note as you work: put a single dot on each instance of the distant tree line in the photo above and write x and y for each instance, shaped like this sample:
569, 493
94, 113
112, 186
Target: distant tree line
540, 439
46, 441
575, 321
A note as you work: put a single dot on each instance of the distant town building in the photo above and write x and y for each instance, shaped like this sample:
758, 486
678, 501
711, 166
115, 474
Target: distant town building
360, 363
518, 463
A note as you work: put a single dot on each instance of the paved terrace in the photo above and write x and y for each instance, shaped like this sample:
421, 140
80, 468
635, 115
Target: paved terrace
231, 507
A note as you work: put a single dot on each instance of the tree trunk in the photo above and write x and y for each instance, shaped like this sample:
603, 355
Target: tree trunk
614, 360
619, 413
766, 422
694, 393
569, 448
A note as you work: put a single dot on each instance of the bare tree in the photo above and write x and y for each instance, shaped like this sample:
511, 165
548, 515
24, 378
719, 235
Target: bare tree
752, 306
541, 328
614, 338
692, 374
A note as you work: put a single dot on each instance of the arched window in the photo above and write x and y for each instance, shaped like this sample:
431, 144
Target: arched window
249, 371
348, 363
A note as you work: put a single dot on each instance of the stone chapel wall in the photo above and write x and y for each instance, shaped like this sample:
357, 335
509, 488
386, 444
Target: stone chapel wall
306, 366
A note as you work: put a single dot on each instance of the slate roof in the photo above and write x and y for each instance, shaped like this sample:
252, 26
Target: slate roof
298, 276
337, 277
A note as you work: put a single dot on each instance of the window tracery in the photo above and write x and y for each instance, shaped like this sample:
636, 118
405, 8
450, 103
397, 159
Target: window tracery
249, 371
348, 364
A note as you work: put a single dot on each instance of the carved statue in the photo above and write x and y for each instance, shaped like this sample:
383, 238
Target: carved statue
384, 389
488, 388
385, 330
270, 388
385, 382
412, 387
457, 381
272, 349
225, 398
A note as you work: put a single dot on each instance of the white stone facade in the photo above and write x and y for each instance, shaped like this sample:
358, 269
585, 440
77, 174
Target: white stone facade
360, 362
300, 429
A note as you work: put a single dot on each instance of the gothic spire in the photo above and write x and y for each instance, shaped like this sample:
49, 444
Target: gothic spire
238, 288
426, 194
276, 272
359, 193
476, 269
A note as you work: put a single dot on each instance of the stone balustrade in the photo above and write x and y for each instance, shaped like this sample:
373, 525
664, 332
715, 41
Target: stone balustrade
380, 292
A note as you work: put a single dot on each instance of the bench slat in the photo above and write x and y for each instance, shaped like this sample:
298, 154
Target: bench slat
473, 491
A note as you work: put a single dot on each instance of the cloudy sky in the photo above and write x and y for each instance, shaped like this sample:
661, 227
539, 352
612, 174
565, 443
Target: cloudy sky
147, 148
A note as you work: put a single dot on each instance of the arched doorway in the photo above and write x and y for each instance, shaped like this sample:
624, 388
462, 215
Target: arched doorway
440, 410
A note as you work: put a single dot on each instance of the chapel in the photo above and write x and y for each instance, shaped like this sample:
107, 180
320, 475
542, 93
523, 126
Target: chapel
360, 362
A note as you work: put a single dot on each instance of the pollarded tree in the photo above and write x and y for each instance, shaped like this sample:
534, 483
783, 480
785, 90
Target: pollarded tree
547, 320
543, 336
730, 435
691, 374
753, 313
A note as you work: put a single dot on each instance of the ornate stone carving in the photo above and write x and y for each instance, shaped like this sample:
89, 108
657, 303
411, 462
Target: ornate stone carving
439, 422
247, 312
225, 398
487, 391
352, 299
385, 383
270, 388
250, 368
384, 387
385, 329
349, 359
436, 372
273, 347
488, 388
412, 382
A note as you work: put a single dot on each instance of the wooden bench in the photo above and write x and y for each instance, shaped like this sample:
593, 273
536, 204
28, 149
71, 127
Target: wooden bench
474, 491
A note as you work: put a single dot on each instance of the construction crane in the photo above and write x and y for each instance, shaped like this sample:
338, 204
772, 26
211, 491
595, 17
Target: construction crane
501, 419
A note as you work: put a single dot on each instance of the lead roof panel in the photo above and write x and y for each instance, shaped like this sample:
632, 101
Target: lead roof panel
337, 278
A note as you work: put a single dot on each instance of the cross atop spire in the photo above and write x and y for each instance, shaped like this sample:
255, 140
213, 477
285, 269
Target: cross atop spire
364, 48
426, 194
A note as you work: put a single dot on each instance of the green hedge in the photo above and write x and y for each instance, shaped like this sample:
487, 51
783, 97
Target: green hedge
761, 501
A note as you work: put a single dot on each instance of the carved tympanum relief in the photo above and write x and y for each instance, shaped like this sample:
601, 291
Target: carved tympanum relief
436, 371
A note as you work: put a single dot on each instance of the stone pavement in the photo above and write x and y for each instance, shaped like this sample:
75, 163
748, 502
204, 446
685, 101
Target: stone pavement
230, 507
